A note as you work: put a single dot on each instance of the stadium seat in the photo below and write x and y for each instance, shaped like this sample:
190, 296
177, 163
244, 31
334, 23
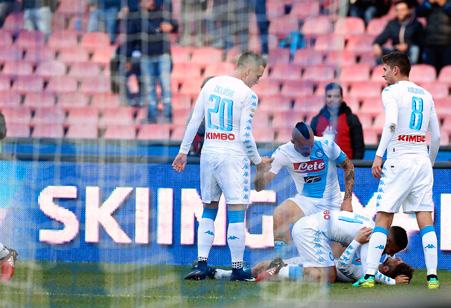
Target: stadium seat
80, 115
48, 115
317, 26
287, 119
30, 39
6, 38
17, 114
28, 84
264, 134
437, 89
9, 99
179, 116
370, 137
279, 56
154, 132
181, 54
365, 89
37, 100
266, 86
105, 101
104, 55
70, 100
297, 88
444, 138
349, 26
181, 101
10, 53
445, 75
17, 68
61, 84
285, 72
376, 25
372, 106
340, 58
329, 42
366, 120
39, 54
182, 71
274, 9
358, 72
376, 74
70, 7
360, 43
206, 55
95, 85
63, 39
191, 87
17, 130
95, 40
282, 26
308, 56
379, 121
319, 73
51, 69
14, 22
303, 9
222, 68
84, 70
422, 73
82, 131
178, 132
443, 107
309, 104
274, 103
48, 131
117, 116
367, 58
120, 132
73, 54
5, 83
283, 134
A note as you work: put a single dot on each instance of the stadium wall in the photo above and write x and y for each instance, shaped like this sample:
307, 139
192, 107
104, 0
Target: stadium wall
131, 212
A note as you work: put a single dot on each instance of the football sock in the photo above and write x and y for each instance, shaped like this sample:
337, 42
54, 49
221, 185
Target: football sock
429, 240
236, 237
206, 233
376, 246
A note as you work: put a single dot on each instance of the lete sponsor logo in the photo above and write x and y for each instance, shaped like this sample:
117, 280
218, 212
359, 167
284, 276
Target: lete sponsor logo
309, 166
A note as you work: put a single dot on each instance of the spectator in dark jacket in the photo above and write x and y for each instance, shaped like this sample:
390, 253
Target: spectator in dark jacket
6, 7
437, 38
405, 33
368, 9
337, 116
147, 32
105, 11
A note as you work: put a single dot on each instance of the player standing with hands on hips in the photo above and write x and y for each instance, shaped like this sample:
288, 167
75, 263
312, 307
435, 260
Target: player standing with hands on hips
228, 105
406, 178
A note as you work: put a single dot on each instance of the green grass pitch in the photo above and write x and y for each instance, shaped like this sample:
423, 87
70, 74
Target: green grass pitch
108, 285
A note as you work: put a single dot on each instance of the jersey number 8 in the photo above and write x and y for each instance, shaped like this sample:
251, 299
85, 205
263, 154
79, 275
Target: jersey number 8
416, 117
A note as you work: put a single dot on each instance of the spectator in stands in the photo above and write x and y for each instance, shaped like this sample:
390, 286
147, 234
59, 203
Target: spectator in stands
105, 11
437, 38
405, 33
38, 15
147, 33
337, 117
262, 24
193, 22
6, 7
368, 9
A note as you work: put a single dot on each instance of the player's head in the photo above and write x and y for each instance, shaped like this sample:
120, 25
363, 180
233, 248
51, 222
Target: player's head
397, 240
403, 9
393, 267
302, 138
148, 5
334, 95
396, 66
250, 67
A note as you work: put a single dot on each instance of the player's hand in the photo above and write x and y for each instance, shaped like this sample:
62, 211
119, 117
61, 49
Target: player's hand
376, 169
265, 163
402, 279
166, 27
179, 162
346, 205
363, 236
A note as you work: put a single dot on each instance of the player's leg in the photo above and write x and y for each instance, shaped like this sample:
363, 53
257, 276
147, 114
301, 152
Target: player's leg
206, 231
429, 241
285, 214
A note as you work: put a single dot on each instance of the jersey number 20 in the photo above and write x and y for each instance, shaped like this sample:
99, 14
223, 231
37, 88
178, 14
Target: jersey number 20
416, 117
221, 106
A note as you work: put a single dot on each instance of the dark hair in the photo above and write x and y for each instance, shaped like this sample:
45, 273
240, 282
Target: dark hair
334, 85
398, 59
303, 129
401, 269
248, 57
400, 238
410, 4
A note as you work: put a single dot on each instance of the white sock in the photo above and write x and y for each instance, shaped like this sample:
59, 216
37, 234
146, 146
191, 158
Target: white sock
205, 237
3, 251
429, 239
376, 246
236, 242
222, 274
292, 272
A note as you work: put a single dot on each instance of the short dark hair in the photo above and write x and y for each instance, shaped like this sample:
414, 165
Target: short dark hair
400, 238
332, 86
248, 57
399, 59
410, 4
401, 269
303, 129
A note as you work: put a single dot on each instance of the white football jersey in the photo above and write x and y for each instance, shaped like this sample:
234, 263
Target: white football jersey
411, 108
227, 104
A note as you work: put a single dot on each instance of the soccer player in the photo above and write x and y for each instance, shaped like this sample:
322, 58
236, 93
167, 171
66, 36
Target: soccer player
406, 177
311, 162
228, 104
8, 257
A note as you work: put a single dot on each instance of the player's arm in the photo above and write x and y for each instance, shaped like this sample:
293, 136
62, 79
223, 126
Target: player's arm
191, 130
265, 175
391, 121
246, 121
434, 129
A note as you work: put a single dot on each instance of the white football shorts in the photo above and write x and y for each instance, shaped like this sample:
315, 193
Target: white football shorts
314, 205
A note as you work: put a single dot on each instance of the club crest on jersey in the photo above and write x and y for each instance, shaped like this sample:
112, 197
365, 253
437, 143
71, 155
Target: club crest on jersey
309, 166
319, 153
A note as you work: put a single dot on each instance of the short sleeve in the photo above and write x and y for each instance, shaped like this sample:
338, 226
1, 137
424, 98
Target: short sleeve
279, 161
333, 151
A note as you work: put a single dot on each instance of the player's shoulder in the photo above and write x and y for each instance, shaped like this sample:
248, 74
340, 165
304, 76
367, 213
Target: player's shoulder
324, 141
285, 148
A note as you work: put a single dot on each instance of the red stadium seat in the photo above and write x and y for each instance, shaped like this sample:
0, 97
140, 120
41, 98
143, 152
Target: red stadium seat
309, 104
121, 132
84, 70
10, 53
48, 131
370, 136
51, 69
285, 72
317, 25
279, 56
372, 106
349, 26
365, 89
117, 116
437, 89
14, 22
379, 121
63, 39
366, 120
445, 75
443, 107
274, 103
376, 74
303, 9
73, 54
49, 115
275, 9
340, 58
9, 99
184, 71
6, 38
17, 114
206, 55
82, 131
178, 132
181, 101
267, 86
39, 54
282, 26
30, 39
72, 100
95, 40
358, 72
376, 26
191, 87
297, 88
264, 134
444, 138
422, 73
329, 42
360, 43
5, 83
222, 68
287, 119
308, 57
154, 132
104, 55
181, 54
37, 100
17, 68
28, 84
95, 85
367, 58
105, 101
61, 84
70, 7
17, 130
319, 73
80, 115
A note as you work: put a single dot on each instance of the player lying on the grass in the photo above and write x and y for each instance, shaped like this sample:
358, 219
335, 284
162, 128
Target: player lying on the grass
311, 161
8, 257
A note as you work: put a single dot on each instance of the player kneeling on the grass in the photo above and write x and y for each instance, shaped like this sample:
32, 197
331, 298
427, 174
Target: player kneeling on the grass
8, 258
311, 162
